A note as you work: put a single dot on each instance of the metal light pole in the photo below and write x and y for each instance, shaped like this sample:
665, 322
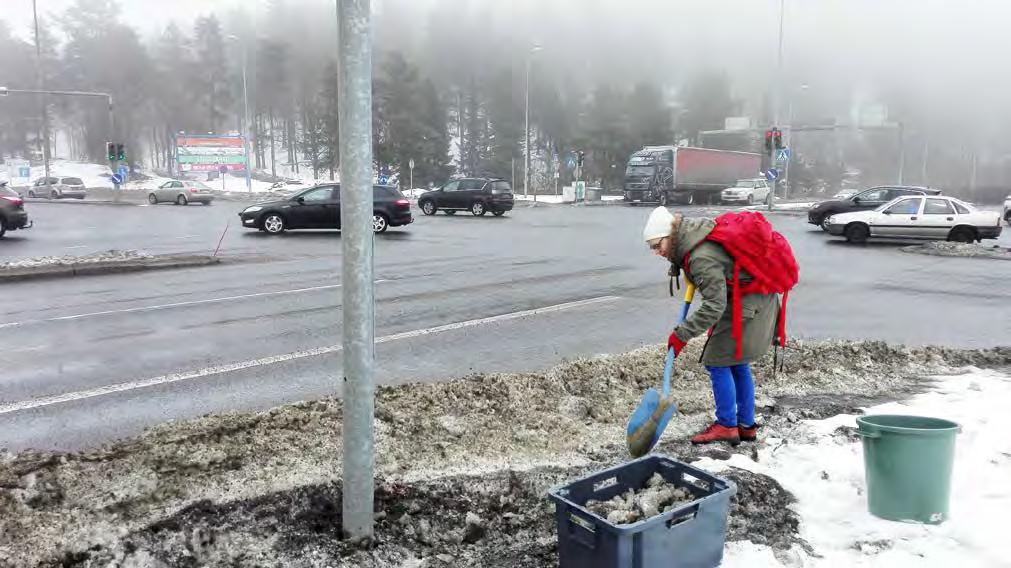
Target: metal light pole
790, 143
902, 151
245, 110
775, 100
355, 111
526, 129
40, 86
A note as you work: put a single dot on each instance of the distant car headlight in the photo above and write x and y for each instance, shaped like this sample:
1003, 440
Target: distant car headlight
252, 209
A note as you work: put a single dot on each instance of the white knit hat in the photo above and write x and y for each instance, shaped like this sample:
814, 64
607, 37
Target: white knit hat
658, 225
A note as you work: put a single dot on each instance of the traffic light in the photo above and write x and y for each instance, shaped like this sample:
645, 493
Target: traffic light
110, 151
777, 136
579, 158
120, 152
768, 141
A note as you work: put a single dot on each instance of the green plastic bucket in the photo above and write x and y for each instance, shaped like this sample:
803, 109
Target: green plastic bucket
908, 461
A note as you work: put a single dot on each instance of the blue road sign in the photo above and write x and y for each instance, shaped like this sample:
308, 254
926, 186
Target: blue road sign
571, 163
117, 178
783, 155
771, 174
124, 172
383, 180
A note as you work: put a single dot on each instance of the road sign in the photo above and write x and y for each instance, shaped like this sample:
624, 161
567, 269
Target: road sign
771, 174
571, 163
383, 179
557, 175
117, 178
783, 155
222, 169
410, 163
123, 171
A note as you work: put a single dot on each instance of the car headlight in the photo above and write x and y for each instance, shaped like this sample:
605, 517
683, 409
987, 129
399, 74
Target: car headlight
252, 209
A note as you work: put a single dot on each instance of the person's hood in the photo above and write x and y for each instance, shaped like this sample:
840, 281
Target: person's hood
689, 234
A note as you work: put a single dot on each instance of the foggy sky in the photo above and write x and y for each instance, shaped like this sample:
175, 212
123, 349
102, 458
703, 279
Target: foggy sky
947, 59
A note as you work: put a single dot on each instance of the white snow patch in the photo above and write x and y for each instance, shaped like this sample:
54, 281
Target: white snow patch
826, 474
106, 256
796, 206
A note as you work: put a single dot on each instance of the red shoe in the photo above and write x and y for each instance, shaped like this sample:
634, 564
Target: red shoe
718, 433
748, 433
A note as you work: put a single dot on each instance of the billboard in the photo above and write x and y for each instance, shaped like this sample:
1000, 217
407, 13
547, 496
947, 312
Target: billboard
207, 153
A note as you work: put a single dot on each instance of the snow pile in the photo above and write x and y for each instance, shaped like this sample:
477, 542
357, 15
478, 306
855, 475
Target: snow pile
93, 175
962, 250
106, 256
263, 488
658, 496
824, 471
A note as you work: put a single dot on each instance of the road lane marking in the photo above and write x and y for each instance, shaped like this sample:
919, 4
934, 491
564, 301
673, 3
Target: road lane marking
77, 247
7, 408
175, 305
187, 237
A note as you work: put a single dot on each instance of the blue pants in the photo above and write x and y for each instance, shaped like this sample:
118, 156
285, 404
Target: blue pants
734, 391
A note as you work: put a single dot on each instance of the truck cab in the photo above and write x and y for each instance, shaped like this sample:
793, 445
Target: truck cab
648, 174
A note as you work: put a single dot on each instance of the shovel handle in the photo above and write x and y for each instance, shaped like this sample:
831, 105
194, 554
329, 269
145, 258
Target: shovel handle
668, 369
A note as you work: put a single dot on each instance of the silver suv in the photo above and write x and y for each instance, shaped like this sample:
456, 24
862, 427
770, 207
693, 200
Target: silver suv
58, 188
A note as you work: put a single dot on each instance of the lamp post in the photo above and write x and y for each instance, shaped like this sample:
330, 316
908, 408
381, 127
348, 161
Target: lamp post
245, 120
526, 146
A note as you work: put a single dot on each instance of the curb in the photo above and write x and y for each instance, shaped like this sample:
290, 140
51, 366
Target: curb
37, 200
109, 267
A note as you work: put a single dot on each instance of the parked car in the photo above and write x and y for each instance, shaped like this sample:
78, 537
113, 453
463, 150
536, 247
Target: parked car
12, 210
181, 192
918, 217
750, 191
865, 200
1007, 210
319, 207
58, 188
477, 195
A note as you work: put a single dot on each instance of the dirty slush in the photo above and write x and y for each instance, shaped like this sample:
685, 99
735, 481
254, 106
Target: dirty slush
463, 466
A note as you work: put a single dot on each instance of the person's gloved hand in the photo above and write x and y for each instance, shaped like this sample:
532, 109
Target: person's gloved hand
673, 342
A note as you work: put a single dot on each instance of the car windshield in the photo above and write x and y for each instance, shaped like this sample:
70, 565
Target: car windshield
746, 183
4, 190
639, 171
72, 181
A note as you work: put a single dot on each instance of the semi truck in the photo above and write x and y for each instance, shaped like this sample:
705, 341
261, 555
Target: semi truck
672, 174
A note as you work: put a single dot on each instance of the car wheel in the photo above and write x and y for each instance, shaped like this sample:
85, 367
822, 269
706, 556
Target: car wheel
477, 209
428, 208
498, 213
54, 195
751, 200
450, 212
857, 233
3, 226
181, 200
962, 235
152, 199
824, 223
273, 224
380, 223
690, 198
205, 202
31, 193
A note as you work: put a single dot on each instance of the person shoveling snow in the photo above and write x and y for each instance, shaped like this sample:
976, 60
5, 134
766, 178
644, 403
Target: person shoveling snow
739, 265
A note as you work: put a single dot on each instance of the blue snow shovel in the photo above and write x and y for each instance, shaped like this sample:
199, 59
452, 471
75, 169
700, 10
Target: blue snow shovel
650, 418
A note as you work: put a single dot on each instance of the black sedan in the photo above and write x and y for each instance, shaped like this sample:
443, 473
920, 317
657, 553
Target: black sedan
863, 201
319, 207
12, 210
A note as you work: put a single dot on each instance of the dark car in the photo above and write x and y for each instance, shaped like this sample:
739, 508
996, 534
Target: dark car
12, 210
863, 201
319, 207
477, 195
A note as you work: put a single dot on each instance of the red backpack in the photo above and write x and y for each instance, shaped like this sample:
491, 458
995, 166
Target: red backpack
764, 254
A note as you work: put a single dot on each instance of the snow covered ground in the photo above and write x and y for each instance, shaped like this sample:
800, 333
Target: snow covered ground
825, 473
555, 199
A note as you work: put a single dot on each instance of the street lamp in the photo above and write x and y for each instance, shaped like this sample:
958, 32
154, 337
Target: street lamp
245, 120
526, 146
791, 142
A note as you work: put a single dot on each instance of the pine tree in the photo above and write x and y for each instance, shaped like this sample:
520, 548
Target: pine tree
211, 81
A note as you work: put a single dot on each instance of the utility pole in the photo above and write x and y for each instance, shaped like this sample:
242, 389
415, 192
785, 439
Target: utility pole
355, 111
902, 151
40, 84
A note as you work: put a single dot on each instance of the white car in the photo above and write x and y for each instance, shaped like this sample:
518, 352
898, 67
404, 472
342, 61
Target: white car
58, 188
931, 217
748, 191
1007, 210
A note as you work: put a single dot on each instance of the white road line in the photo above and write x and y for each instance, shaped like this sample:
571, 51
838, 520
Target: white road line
173, 305
10, 407
187, 237
77, 247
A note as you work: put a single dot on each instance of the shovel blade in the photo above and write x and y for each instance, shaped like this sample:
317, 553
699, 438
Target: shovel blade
648, 423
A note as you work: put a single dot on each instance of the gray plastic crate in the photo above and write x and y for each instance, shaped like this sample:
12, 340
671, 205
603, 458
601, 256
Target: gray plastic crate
691, 536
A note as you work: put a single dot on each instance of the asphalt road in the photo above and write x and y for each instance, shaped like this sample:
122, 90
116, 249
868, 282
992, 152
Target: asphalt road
94, 358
